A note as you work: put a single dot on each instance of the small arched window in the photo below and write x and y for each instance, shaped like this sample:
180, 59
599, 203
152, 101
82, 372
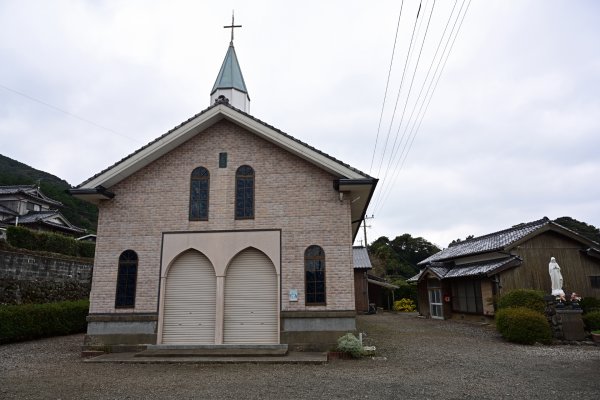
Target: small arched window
199, 186
314, 275
244, 192
126, 279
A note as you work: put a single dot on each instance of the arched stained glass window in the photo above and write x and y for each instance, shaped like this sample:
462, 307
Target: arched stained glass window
126, 279
314, 275
199, 186
244, 192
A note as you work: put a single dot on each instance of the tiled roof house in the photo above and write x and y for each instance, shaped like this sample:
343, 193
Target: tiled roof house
466, 277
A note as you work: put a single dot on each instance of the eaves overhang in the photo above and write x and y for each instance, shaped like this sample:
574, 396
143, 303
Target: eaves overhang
359, 191
92, 195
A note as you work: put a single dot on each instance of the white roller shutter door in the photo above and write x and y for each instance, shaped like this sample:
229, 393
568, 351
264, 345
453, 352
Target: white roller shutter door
190, 295
251, 300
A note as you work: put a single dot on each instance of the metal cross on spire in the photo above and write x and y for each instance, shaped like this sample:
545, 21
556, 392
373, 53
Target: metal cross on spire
232, 26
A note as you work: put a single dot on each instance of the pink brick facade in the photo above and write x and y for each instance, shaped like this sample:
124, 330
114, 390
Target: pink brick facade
291, 195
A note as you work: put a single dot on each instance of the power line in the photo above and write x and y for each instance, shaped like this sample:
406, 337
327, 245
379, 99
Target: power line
399, 90
432, 92
66, 112
384, 188
386, 87
394, 149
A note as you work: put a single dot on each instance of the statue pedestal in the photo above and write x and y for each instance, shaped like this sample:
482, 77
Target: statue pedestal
571, 324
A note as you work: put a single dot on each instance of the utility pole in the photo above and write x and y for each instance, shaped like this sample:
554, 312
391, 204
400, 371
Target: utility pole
365, 227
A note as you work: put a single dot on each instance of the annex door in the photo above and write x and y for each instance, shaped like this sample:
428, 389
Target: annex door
251, 312
435, 303
190, 301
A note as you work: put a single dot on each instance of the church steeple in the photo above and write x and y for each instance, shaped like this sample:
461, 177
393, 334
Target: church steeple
230, 81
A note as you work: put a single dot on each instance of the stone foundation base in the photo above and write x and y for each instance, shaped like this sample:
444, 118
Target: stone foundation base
113, 333
300, 330
315, 330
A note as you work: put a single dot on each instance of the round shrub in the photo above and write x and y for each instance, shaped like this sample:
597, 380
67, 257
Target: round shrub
522, 325
592, 320
404, 305
350, 344
532, 299
589, 304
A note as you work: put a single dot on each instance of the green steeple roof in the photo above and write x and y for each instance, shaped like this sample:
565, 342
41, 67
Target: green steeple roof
230, 75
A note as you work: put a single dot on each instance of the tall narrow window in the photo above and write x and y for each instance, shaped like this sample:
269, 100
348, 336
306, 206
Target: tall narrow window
314, 271
244, 192
126, 279
199, 186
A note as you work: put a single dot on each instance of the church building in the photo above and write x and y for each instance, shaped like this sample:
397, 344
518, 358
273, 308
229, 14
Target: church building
225, 231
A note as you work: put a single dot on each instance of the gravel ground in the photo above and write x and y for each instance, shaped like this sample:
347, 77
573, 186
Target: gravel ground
416, 359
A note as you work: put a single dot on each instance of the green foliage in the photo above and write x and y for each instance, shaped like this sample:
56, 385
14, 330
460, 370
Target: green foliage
592, 320
588, 231
86, 249
32, 321
589, 304
523, 325
404, 305
532, 299
14, 291
20, 237
78, 212
405, 290
399, 257
351, 345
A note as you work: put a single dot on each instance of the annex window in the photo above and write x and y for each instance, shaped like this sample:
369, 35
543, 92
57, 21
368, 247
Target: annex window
199, 186
244, 192
314, 275
466, 297
126, 279
595, 282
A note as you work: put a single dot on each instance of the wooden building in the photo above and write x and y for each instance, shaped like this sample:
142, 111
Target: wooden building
465, 278
362, 265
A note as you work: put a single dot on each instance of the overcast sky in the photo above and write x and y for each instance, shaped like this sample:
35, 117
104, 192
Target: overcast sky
512, 132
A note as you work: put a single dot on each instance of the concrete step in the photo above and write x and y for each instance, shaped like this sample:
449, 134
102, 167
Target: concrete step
213, 350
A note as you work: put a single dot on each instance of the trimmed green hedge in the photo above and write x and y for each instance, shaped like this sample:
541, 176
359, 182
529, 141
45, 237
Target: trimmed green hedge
32, 321
18, 236
523, 325
532, 299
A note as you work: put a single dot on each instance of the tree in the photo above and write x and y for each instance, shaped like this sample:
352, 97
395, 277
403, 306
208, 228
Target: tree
399, 257
585, 230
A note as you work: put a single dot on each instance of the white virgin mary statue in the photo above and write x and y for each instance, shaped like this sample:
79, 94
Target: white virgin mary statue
556, 278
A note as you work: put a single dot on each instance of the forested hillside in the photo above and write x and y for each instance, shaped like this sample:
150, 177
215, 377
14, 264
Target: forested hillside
80, 213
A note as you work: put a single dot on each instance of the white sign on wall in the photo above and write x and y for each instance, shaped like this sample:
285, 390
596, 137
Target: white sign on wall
293, 294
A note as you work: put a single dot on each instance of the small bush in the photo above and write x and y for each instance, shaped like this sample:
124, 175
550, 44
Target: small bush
32, 321
592, 320
532, 299
589, 304
350, 344
523, 325
404, 305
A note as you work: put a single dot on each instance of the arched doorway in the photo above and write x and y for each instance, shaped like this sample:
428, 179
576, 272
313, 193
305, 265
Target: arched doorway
189, 310
251, 300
